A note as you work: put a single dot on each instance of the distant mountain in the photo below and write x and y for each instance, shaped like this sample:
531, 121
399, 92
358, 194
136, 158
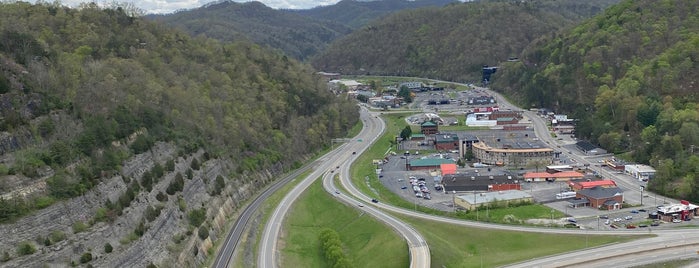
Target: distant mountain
451, 42
298, 33
297, 36
358, 13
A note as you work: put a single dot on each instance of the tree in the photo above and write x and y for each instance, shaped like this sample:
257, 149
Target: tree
108, 248
406, 133
405, 93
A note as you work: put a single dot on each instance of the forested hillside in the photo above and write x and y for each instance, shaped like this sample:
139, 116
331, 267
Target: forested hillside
630, 76
298, 33
452, 42
110, 108
297, 36
356, 14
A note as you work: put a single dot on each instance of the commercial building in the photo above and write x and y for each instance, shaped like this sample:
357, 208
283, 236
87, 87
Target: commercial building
609, 198
446, 142
473, 182
427, 163
513, 154
558, 176
682, 211
475, 200
640, 172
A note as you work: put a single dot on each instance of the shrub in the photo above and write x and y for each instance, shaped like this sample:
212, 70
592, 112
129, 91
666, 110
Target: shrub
203, 232
86, 257
195, 164
57, 236
196, 217
161, 197
5, 256
170, 165
108, 248
190, 174
26, 248
79, 226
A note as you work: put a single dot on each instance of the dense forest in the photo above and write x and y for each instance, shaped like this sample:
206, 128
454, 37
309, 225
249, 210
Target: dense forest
297, 36
81, 90
356, 14
630, 76
298, 33
451, 42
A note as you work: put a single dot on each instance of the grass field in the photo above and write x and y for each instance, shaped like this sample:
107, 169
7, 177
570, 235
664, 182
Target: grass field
367, 242
458, 246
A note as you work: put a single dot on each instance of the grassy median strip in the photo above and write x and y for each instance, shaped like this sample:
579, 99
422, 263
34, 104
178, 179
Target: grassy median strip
366, 241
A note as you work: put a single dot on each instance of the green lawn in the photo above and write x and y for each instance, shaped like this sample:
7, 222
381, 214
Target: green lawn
367, 242
458, 246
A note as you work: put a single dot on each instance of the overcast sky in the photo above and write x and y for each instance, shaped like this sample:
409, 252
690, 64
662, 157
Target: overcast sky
168, 6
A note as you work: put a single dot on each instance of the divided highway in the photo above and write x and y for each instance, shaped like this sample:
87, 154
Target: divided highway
342, 157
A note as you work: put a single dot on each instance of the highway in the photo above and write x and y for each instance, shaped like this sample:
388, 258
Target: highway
225, 254
341, 157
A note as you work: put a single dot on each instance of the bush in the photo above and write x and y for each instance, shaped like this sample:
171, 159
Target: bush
170, 165
161, 197
196, 217
195, 164
203, 232
57, 236
5, 256
79, 226
26, 248
190, 174
86, 257
108, 248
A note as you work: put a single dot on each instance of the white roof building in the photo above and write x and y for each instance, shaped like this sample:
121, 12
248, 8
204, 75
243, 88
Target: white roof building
640, 172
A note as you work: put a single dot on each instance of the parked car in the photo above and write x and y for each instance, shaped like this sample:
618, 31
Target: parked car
604, 217
607, 222
676, 220
642, 210
404, 187
634, 211
655, 223
628, 218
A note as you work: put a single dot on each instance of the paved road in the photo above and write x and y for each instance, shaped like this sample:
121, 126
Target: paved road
373, 127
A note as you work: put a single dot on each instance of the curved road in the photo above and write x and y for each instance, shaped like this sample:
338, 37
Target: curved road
372, 129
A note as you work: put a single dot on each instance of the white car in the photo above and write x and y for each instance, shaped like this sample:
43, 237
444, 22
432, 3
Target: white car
676, 220
607, 222
628, 218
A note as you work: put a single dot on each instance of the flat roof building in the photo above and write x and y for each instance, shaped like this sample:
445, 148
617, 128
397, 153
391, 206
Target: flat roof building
475, 200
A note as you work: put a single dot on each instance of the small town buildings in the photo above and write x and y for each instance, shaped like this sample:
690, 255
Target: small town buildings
578, 185
506, 121
640, 172
558, 176
476, 200
609, 198
589, 148
682, 211
463, 182
513, 154
446, 142
504, 113
427, 163
429, 128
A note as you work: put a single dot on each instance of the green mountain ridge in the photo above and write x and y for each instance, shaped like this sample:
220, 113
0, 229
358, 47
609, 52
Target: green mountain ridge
452, 42
630, 76
298, 33
91, 87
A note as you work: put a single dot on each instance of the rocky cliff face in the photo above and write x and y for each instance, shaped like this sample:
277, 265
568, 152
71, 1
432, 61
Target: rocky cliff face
169, 239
